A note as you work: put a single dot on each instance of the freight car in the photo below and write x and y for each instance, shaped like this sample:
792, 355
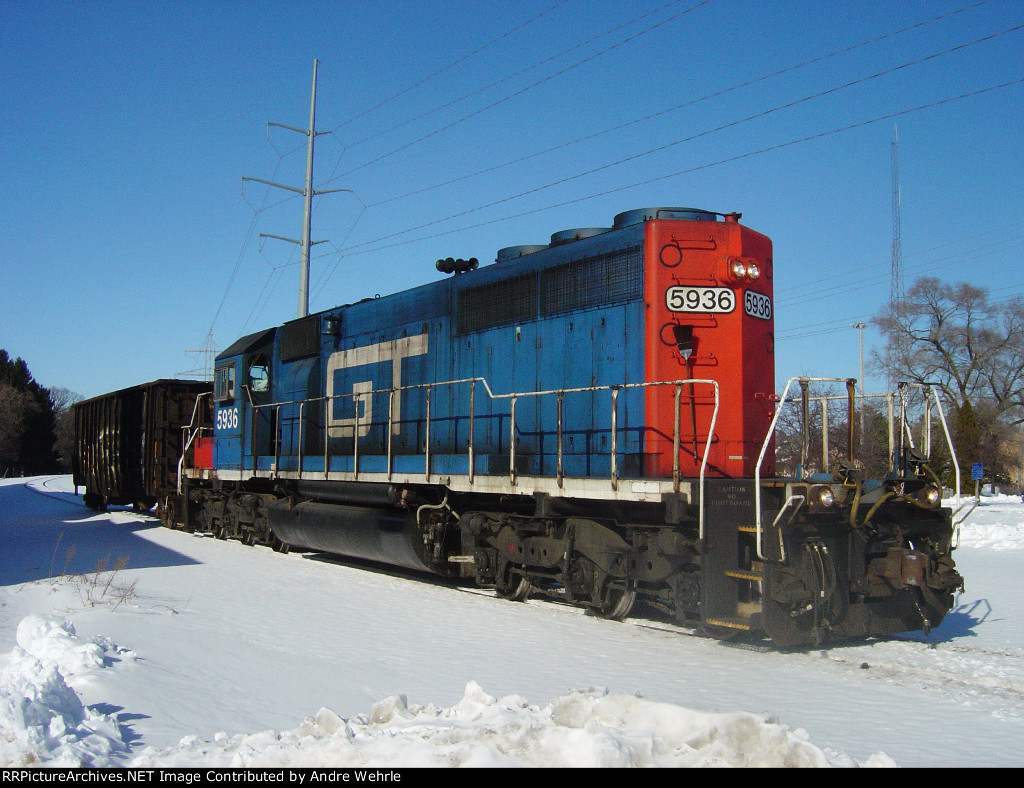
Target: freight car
592, 419
128, 444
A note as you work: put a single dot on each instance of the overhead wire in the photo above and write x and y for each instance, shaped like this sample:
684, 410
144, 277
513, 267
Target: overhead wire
688, 170
887, 264
677, 107
722, 127
845, 285
257, 212
245, 246
451, 65
801, 332
343, 251
529, 68
523, 90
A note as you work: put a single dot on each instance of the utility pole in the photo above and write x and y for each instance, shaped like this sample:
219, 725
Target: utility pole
861, 327
308, 193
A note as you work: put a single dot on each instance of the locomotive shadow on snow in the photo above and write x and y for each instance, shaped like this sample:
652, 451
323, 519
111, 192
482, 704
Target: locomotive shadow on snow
83, 545
641, 614
960, 622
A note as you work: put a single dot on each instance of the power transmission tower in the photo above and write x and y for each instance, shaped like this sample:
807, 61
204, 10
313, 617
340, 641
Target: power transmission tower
897, 343
208, 352
308, 193
896, 270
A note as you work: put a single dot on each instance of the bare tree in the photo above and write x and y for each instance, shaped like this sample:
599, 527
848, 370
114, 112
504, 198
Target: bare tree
970, 347
64, 424
797, 453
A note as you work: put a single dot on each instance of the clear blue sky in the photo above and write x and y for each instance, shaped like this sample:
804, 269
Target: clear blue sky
126, 234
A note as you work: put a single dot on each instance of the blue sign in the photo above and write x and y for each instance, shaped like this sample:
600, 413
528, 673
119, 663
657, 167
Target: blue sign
976, 472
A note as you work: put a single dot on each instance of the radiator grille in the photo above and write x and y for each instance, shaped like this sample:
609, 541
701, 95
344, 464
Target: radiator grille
602, 280
498, 304
596, 281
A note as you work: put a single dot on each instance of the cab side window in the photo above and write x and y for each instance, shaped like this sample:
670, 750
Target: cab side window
259, 375
224, 383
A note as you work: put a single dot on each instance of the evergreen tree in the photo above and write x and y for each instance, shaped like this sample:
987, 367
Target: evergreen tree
27, 422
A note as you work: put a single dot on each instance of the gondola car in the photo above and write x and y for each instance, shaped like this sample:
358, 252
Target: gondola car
592, 419
128, 444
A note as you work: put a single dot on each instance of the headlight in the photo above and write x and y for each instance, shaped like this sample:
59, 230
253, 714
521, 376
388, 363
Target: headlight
821, 497
930, 496
753, 271
737, 269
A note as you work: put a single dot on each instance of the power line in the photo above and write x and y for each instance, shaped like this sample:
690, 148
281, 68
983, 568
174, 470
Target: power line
689, 170
519, 92
452, 65
690, 103
706, 132
931, 265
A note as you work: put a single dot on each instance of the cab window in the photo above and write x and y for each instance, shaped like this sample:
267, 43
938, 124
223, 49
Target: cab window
224, 383
259, 376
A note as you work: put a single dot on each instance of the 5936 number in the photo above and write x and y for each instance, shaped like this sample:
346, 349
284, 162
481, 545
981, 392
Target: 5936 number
716, 300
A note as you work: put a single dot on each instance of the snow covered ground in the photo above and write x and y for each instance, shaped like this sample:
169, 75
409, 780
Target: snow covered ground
133, 645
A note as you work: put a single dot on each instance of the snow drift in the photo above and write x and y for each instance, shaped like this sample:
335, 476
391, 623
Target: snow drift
44, 723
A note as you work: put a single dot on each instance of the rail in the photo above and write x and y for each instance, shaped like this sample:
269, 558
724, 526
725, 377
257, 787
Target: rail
325, 404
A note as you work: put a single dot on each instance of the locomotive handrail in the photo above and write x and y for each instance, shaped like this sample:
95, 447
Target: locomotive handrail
931, 387
513, 397
758, 526
904, 431
195, 430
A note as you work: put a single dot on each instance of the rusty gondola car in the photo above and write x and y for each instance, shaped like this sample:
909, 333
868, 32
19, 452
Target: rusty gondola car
128, 444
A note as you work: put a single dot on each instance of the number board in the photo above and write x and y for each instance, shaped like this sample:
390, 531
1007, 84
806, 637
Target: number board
715, 300
757, 305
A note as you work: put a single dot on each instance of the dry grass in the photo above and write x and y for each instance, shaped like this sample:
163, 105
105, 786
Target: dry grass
103, 585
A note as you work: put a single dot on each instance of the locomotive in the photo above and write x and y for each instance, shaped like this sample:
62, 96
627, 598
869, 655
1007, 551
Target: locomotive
591, 419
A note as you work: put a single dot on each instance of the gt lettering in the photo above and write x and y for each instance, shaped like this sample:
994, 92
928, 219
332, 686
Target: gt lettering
393, 351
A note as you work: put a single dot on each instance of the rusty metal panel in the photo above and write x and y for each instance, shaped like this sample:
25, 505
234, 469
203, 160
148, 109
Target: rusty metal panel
127, 443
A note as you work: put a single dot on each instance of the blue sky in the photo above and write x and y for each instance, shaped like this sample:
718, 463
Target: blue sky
127, 236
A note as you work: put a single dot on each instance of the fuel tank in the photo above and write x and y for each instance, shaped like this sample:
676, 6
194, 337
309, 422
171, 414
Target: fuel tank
373, 534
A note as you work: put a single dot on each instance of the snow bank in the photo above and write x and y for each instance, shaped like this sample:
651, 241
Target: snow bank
43, 723
42, 720
579, 729
994, 524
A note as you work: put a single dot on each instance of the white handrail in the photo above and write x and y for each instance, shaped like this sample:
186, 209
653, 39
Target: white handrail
513, 397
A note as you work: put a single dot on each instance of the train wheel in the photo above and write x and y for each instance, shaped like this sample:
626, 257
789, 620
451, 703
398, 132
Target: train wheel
512, 586
94, 501
617, 602
277, 545
166, 510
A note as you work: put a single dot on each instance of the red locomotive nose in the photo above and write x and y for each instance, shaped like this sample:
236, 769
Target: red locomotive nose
709, 306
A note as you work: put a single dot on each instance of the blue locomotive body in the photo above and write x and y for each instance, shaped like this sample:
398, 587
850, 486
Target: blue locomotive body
391, 383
